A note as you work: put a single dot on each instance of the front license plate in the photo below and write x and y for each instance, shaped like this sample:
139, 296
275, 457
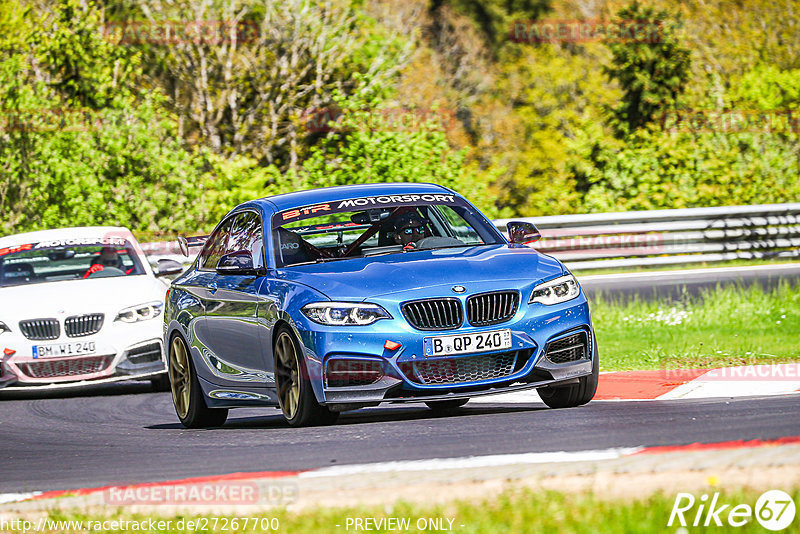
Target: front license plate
467, 343
78, 348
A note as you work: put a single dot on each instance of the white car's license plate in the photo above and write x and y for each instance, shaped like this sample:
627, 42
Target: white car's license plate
467, 343
77, 348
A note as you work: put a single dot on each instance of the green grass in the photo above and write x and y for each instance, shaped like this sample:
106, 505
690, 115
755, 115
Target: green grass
517, 512
723, 327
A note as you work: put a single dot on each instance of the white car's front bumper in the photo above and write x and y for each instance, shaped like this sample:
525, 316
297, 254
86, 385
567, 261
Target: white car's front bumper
122, 351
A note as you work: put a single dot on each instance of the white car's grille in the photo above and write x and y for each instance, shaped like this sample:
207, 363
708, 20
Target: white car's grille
83, 325
39, 329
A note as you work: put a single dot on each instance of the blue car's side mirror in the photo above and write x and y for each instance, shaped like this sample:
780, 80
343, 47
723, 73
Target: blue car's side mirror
238, 263
522, 233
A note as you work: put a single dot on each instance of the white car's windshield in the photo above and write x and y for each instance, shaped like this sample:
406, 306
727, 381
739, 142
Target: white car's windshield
34, 263
377, 231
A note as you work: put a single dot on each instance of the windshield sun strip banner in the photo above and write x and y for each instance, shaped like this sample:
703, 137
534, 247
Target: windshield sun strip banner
362, 203
65, 243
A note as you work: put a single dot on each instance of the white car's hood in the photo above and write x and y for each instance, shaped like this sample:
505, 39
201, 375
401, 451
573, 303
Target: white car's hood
77, 297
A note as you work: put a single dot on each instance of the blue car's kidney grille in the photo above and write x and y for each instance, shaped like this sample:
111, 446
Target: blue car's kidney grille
462, 369
83, 325
40, 329
434, 314
569, 349
492, 308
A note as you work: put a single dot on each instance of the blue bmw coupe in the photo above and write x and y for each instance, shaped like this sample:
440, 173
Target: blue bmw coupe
334, 299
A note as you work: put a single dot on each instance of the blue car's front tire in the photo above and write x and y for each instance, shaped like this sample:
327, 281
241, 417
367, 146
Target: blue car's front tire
573, 394
295, 394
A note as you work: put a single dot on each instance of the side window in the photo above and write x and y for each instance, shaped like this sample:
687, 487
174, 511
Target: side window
459, 226
246, 235
215, 247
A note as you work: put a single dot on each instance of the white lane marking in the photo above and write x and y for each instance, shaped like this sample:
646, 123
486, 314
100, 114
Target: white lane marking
686, 272
471, 461
16, 497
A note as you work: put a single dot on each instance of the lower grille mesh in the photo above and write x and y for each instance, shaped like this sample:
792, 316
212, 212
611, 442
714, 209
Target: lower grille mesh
61, 368
463, 369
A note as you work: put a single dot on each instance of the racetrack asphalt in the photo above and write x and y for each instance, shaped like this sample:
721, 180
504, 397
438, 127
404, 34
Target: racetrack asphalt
122, 434
677, 283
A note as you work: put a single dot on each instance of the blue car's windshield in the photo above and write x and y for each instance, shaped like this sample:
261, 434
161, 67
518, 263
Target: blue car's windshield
309, 236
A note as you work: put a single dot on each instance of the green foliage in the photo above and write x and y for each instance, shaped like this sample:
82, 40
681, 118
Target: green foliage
368, 143
722, 327
652, 75
168, 138
66, 163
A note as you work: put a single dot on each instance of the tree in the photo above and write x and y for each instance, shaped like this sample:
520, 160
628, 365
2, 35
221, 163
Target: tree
651, 72
246, 90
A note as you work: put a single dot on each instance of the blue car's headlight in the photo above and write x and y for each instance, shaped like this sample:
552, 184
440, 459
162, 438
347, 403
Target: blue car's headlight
558, 290
344, 313
142, 312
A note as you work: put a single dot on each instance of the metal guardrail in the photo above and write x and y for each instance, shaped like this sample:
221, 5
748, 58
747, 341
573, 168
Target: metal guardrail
647, 238
669, 237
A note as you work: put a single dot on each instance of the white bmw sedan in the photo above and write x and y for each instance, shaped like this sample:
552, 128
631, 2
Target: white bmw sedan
80, 305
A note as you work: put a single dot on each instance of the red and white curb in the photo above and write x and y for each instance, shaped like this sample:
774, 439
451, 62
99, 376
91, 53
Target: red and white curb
669, 384
428, 465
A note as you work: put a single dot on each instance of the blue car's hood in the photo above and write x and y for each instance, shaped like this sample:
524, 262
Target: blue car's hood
362, 278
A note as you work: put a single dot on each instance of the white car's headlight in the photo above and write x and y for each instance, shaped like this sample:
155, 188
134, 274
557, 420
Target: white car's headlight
558, 290
4, 327
344, 313
142, 312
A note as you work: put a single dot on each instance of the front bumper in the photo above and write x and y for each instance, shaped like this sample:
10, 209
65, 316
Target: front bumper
406, 375
123, 351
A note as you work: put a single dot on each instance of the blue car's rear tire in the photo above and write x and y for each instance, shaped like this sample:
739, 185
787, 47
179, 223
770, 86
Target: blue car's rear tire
187, 396
574, 394
295, 394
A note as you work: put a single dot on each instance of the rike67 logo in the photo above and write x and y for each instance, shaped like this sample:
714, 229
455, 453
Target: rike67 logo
774, 510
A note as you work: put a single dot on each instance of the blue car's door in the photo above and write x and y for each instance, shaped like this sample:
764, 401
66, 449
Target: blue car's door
230, 332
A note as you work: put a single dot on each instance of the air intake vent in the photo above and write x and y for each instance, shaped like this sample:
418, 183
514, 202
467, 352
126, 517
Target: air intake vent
492, 308
461, 369
569, 349
40, 329
434, 314
61, 368
83, 325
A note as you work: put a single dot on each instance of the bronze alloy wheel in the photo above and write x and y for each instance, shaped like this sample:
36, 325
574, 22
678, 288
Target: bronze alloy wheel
287, 370
180, 381
295, 393
187, 396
